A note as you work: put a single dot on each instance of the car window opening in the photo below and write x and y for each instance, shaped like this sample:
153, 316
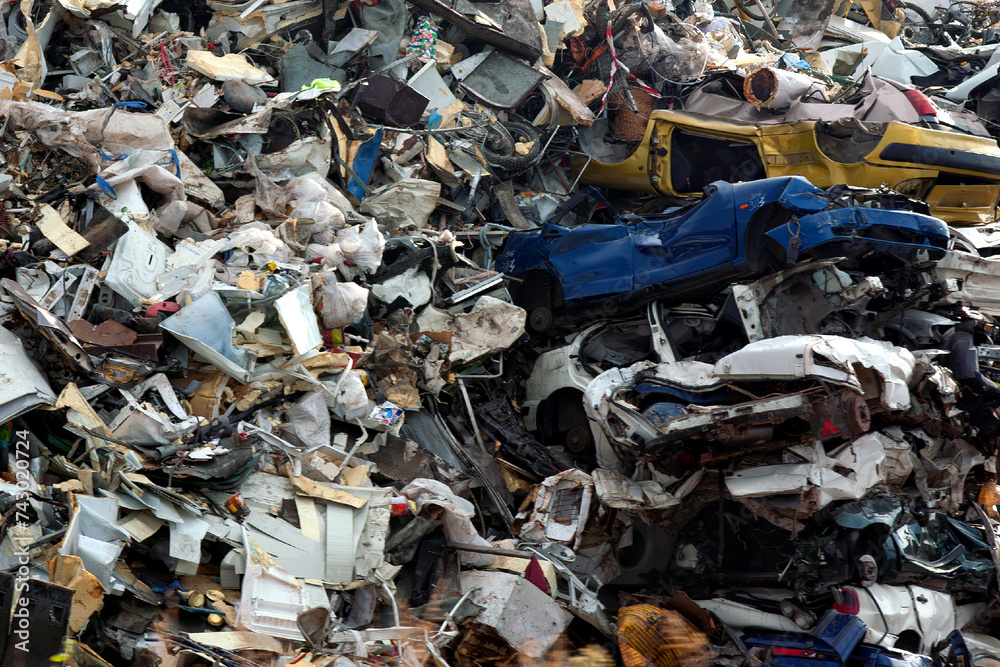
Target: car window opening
696, 161
849, 140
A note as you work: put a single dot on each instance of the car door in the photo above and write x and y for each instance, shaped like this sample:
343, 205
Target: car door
698, 240
590, 259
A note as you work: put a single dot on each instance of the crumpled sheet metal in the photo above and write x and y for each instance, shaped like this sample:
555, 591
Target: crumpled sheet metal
207, 328
619, 492
646, 169
458, 513
294, 259
846, 474
598, 398
50, 326
970, 280
22, 385
795, 357
518, 610
139, 424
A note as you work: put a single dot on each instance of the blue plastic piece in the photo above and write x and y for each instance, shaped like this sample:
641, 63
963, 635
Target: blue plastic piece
111, 159
714, 397
840, 631
106, 187
177, 161
364, 164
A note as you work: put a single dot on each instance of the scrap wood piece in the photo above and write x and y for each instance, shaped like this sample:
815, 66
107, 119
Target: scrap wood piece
308, 487
230, 67
142, 525
226, 610
570, 109
238, 640
73, 399
55, 229
68, 572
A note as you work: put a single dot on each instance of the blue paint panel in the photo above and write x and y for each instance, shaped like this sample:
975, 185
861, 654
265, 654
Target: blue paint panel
699, 246
364, 164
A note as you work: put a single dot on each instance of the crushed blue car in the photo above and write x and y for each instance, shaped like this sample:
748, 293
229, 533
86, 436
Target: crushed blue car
589, 261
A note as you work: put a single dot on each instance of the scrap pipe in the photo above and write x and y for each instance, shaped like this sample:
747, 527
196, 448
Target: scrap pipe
776, 88
493, 551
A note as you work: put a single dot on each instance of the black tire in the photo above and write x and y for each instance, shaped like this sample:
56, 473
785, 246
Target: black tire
498, 142
919, 11
932, 30
958, 33
563, 421
617, 18
622, 14
521, 133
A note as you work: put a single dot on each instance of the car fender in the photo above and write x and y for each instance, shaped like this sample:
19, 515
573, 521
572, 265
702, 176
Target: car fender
792, 193
554, 370
521, 252
895, 610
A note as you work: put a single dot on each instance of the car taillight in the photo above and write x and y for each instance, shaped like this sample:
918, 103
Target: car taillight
848, 602
921, 104
794, 652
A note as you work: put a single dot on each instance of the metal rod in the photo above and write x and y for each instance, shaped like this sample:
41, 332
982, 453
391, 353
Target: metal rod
472, 416
767, 19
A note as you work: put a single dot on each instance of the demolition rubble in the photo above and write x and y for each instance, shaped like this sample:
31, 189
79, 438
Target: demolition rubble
499, 332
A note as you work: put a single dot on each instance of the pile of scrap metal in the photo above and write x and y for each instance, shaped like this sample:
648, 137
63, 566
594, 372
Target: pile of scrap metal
501, 332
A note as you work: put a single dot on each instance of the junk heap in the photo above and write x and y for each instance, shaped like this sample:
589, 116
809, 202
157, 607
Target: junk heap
508, 332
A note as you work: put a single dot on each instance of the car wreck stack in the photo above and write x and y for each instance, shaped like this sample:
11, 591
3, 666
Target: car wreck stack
517, 332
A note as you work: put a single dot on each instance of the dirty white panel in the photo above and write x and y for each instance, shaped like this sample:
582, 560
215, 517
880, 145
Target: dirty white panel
137, 261
22, 386
341, 543
297, 315
186, 536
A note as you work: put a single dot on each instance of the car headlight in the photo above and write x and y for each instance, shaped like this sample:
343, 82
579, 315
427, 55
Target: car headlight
915, 188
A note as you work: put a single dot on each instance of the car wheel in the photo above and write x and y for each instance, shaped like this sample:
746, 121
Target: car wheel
580, 441
859, 417
540, 297
563, 421
540, 320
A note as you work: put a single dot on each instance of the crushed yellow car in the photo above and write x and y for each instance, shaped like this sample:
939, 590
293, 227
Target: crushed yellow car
958, 175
